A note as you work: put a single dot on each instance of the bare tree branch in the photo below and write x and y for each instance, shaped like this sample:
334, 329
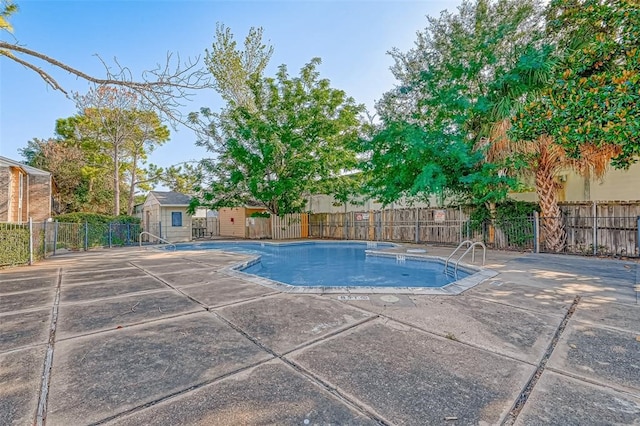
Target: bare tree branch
42, 73
164, 87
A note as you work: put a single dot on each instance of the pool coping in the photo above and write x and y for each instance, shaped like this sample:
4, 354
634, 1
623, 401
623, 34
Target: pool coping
478, 275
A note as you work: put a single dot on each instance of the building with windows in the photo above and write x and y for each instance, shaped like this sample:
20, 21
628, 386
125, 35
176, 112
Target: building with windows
164, 214
25, 192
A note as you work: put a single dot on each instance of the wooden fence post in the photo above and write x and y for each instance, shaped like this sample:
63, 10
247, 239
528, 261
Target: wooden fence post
417, 225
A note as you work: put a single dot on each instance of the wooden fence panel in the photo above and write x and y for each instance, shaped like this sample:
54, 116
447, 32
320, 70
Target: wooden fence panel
616, 230
286, 227
304, 225
259, 227
611, 227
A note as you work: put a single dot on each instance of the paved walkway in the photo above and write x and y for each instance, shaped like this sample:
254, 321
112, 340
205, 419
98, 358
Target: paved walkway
132, 337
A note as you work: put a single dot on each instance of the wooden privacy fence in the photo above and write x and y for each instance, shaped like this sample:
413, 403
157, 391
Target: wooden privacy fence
600, 228
402, 225
288, 226
285, 227
591, 228
258, 227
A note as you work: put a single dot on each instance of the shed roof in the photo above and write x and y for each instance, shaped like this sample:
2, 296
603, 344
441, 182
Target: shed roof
171, 198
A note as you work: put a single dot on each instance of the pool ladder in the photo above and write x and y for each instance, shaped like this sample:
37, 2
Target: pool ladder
471, 248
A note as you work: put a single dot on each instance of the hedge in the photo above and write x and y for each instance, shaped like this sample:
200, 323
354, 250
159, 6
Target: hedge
14, 245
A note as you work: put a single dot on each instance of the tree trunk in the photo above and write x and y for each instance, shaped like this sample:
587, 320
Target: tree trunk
553, 233
116, 182
132, 189
491, 228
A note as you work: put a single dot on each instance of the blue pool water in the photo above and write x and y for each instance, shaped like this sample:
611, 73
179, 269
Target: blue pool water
334, 265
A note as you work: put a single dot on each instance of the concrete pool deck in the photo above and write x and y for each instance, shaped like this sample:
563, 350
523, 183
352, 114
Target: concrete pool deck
135, 336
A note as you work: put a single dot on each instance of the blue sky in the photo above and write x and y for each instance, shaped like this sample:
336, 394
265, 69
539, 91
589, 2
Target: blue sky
351, 37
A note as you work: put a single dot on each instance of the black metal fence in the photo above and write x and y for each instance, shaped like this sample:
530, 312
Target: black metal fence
27, 242
585, 235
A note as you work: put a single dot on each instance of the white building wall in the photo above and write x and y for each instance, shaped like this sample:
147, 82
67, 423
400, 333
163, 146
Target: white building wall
175, 233
156, 219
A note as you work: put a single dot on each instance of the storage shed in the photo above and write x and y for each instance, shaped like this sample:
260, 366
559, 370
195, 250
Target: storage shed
164, 214
233, 220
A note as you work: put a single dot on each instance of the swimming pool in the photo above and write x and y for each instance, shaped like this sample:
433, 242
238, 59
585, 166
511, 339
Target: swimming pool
327, 264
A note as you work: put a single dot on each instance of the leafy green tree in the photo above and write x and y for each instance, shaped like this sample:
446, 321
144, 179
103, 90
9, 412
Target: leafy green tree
65, 161
149, 133
95, 193
7, 8
183, 178
232, 69
300, 133
592, 101
124, 130
587, 115
436, 123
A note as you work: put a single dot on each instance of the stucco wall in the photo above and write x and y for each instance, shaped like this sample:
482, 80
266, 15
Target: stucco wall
156, 219
616, 185
175, 233
232, 228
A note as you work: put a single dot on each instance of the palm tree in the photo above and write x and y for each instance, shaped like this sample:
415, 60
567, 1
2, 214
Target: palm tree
545, 161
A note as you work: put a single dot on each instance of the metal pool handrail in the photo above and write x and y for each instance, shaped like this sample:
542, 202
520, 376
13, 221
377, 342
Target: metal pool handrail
157, 238
484, 255
468, 242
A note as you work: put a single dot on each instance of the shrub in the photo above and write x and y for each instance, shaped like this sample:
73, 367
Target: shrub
260, 214
511, 217
14, 245
101, 230
95, 218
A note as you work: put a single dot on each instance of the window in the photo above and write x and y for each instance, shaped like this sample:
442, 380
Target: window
176, 218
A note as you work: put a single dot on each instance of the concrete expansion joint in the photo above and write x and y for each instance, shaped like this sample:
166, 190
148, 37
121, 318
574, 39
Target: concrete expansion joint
41, 412
335, 391
155, 277
20, 311
331, 335
599, 325
309, 375
522, 399
112, 298
633, 392
388, 319
484, 299
130, 325
244, 301
180, 392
